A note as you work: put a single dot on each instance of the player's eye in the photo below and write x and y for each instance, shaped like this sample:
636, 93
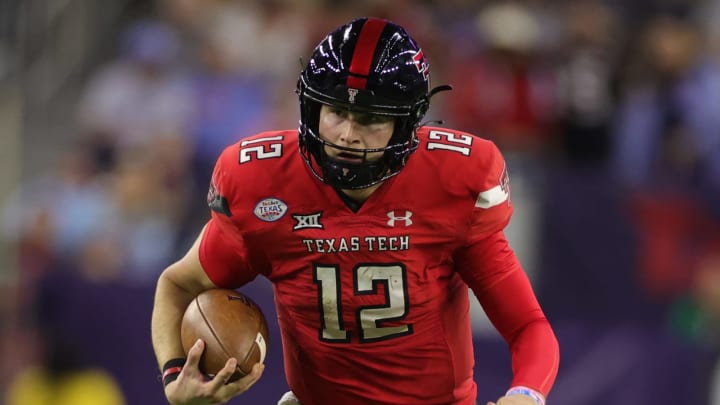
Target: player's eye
372, 119
339, 112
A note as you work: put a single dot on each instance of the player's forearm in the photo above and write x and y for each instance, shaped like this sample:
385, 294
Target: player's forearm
521, 321
168, 309
535, 357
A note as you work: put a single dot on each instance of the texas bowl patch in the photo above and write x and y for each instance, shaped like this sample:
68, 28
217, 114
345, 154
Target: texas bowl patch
270, 209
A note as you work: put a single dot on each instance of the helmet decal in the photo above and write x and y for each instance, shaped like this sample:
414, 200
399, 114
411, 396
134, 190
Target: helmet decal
421, 64
362, 57
351, 95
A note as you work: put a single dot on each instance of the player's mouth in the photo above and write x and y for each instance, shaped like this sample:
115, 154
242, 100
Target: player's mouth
347, 157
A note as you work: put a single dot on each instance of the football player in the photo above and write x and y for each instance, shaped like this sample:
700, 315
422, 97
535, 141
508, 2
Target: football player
371, 227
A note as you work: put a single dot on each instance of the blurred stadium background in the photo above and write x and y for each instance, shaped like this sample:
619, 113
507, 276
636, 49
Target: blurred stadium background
112, 113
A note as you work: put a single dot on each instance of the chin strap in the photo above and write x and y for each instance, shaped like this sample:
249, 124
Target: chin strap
438, 89
434, 91
436, 122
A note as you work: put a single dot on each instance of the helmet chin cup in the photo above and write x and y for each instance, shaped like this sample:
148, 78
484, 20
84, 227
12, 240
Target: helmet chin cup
348, 176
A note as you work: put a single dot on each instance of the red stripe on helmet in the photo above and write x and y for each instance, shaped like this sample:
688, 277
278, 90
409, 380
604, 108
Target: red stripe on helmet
364, 52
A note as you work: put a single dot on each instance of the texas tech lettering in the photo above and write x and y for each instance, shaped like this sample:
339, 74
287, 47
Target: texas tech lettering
358, 243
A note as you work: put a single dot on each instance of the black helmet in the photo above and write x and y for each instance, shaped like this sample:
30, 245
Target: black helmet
371, 66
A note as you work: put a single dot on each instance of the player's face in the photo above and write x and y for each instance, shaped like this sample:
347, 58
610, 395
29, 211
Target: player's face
354, 130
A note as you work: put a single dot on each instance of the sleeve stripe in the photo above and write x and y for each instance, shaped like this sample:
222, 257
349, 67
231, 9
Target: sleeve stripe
490, 198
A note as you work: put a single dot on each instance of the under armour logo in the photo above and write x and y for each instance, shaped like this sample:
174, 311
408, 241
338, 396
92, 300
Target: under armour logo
393, 218
307, 221
351, 95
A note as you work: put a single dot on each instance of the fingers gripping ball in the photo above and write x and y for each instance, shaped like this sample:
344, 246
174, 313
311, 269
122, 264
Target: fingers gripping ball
231, 325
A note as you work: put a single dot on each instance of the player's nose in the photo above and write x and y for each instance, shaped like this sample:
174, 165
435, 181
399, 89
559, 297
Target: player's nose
349, 132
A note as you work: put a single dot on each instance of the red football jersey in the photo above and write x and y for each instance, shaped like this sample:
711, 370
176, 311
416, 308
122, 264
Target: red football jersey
373, 305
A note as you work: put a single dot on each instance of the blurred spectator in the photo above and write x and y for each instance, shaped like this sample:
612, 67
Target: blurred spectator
143, 94
707, 14
507, 92
588, 62
116, 225
230, 91
667, 143
142, 230
54, 215
697, 314
238, 86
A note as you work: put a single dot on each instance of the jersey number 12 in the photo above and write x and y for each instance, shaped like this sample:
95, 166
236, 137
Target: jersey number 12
369, 319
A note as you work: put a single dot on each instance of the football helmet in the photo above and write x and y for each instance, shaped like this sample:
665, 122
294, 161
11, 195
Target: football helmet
370, 66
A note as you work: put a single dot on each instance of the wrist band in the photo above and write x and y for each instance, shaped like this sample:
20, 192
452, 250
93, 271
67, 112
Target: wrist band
527, 391
171, 370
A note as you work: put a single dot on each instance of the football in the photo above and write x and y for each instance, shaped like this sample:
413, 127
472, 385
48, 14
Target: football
231, 325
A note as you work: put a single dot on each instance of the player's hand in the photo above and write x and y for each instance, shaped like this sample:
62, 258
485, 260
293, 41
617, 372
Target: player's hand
514, 400
192, 387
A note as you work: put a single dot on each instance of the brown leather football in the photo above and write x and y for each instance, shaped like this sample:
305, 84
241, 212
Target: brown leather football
231, 325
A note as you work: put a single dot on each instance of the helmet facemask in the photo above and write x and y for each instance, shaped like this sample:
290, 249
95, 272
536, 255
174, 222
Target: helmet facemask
349, 175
